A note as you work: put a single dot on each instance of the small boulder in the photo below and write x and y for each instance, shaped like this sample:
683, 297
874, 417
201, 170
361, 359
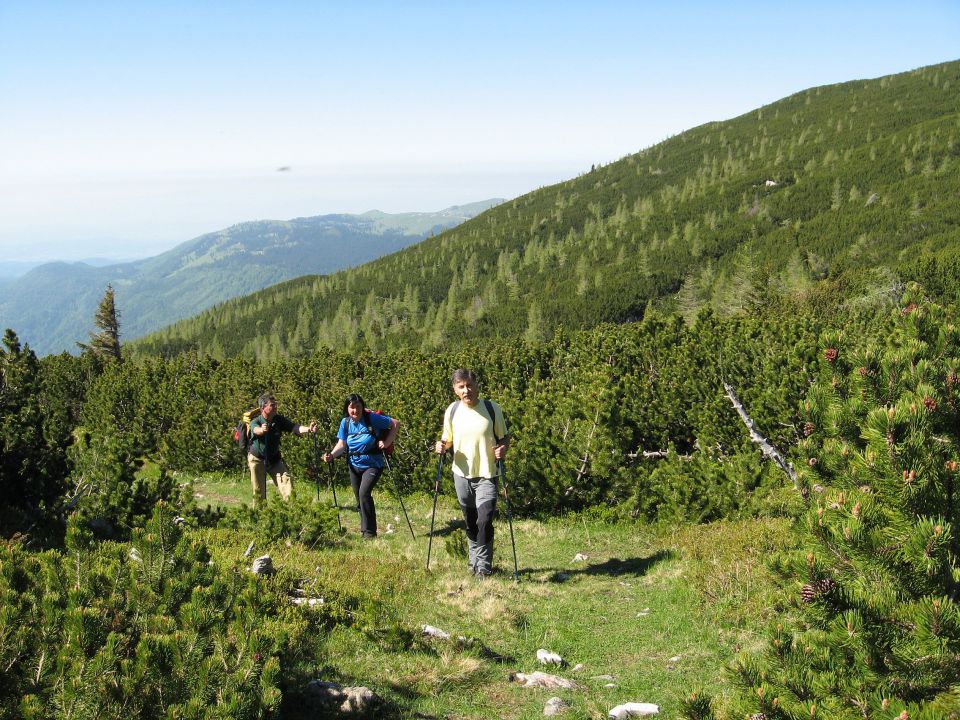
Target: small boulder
263, 565
555, 706
348, 700
539, 679
634, 709
545, 657
435, 632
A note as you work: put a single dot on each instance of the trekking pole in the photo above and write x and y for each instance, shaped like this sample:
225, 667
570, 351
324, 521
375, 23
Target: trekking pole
316, 465
399, 496
433, 513
333, 486
506, 497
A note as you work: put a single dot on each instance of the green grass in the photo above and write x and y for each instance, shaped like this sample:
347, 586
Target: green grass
659, 609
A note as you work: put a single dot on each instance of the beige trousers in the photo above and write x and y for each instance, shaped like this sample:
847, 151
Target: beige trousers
278, 472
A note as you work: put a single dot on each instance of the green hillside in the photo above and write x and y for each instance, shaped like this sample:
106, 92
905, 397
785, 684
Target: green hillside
853, 184
50, 306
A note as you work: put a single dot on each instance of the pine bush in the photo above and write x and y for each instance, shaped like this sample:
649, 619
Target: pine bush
873, 628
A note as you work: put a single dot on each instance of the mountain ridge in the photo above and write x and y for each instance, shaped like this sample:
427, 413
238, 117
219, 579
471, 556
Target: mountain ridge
51, 306
688, 223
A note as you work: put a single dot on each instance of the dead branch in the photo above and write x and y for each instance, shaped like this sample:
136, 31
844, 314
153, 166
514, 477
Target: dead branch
765, 445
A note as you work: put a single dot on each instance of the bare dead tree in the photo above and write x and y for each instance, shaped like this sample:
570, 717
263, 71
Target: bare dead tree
766, 446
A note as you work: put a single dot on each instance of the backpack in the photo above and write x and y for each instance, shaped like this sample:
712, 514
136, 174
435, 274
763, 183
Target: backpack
388, 450
493, 418
241, 433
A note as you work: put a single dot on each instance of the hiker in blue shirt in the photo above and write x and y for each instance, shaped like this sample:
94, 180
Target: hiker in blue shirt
362, 437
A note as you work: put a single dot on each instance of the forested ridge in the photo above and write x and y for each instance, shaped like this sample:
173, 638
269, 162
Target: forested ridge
853, 183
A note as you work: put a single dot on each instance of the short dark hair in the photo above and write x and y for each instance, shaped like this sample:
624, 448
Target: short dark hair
264, 399
351, 399
462, 375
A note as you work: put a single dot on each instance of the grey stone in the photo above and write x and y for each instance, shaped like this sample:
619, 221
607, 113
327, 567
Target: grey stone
555, 706
263, 565
348, 700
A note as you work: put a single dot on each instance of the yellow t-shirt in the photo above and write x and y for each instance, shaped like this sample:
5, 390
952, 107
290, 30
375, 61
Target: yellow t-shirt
472, 433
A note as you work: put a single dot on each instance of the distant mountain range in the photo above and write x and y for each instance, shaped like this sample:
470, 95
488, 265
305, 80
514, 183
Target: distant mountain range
51, 307
835, 195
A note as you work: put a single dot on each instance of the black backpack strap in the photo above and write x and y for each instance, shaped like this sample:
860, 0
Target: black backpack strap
493, 420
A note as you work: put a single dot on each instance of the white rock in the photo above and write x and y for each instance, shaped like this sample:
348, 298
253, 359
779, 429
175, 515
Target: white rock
579, 557
134, 555
578, 667
555, 706
634, 709
249, 549
675, 658
435, 632
539, 679
549, 658
610, 686
309, 602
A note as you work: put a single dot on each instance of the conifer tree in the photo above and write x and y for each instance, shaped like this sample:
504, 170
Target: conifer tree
105, 343
873, 622
31, 476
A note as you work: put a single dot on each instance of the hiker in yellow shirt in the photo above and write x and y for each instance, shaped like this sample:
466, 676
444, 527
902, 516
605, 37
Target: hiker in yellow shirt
477, 433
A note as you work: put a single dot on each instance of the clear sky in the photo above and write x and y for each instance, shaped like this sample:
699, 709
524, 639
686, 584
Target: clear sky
129, 127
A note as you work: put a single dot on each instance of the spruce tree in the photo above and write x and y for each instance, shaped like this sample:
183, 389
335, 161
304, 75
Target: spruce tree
105, 343
872, 622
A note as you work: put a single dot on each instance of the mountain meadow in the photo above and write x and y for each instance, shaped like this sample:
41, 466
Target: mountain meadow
731, 370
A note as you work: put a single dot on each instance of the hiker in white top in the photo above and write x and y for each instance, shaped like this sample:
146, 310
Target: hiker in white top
476, 432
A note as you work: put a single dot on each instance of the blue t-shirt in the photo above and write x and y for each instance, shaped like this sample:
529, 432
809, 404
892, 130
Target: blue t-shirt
360, 443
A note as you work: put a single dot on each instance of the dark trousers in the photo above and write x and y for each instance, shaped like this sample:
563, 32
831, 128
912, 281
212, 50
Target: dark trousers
363, 480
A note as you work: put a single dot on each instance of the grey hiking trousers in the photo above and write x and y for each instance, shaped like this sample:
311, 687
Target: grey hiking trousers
478, 501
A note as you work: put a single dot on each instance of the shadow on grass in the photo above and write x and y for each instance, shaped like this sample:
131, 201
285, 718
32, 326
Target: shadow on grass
451, 527
614, 567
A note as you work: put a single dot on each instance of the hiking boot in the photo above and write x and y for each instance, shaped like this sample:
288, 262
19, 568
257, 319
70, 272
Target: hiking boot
483, 574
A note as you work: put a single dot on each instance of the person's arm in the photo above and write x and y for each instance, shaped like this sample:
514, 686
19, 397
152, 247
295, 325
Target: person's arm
446, 435
390, 436
304, 429
500, 450
339, 450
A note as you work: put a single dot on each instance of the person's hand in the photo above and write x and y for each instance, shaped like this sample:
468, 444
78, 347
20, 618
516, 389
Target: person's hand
381, 444
313, 427
327, 457
500, 451
440, 447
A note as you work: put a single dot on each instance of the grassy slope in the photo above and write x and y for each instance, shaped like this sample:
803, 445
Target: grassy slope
643, 597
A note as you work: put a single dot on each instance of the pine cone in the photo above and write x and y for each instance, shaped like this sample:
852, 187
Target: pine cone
758, 716
808, 429
830, 354
816, 590
929, 403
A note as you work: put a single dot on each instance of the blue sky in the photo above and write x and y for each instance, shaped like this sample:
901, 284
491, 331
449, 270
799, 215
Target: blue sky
129, 127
